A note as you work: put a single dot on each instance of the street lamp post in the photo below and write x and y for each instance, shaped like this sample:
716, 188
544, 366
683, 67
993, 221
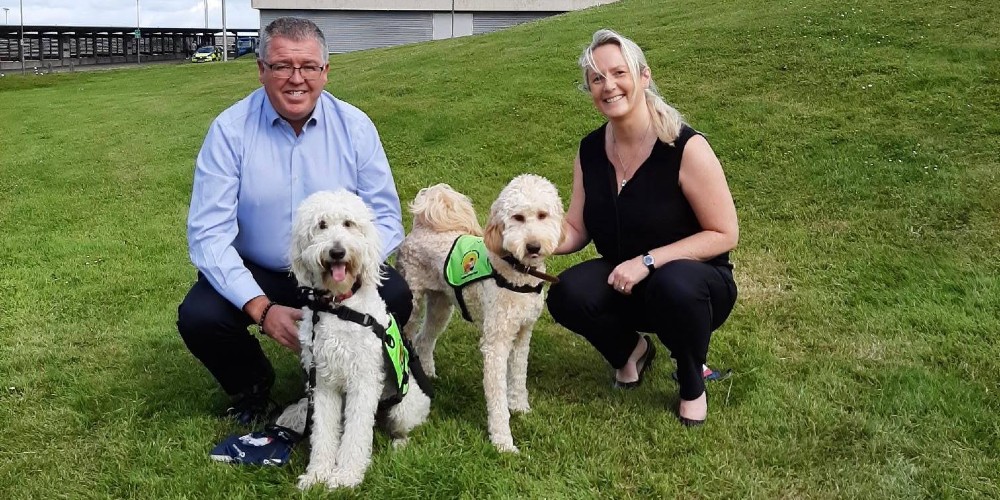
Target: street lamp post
225, 40
21, 48
138, 35
5, 10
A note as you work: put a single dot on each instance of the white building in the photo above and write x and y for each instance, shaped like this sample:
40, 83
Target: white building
364, 24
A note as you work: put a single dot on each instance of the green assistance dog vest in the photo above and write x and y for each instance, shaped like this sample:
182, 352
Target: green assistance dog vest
467, 263
401, 362
397, 357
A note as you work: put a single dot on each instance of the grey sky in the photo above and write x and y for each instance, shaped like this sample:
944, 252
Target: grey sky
152, 13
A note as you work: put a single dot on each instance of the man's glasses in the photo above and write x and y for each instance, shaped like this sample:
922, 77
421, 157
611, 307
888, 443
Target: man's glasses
286, 71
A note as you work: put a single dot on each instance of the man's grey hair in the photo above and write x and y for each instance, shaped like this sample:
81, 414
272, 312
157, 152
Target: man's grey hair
292, 28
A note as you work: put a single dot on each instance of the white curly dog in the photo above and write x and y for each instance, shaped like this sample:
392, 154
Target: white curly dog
335, 252
524, 227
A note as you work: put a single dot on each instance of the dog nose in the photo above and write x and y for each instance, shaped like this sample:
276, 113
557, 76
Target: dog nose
337, 253
533, 247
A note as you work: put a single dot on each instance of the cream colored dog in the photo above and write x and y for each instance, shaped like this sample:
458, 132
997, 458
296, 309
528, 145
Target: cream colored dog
525, 226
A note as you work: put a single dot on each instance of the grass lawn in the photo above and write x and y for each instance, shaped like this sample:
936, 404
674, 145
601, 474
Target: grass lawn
861, 143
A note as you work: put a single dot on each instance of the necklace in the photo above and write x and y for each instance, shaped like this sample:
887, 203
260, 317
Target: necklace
625, 170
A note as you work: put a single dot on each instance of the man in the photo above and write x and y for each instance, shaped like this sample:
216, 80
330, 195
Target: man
260, 159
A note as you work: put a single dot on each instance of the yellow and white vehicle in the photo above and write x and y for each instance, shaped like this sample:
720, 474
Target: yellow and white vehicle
207, 53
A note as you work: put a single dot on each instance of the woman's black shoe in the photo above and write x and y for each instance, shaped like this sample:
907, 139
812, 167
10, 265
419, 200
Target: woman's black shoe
645, 361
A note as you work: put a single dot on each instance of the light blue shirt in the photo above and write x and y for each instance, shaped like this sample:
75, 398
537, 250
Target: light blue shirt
252, 173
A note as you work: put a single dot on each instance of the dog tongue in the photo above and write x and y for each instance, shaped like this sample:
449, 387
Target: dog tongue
338, 272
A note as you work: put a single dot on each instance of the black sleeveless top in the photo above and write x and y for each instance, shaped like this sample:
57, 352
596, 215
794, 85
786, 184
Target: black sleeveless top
651, 211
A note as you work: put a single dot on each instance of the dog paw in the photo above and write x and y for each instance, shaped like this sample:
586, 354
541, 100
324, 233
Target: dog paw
330, 479
400, 442
346, 480
308, 480
519, 407
506, 447
325, 474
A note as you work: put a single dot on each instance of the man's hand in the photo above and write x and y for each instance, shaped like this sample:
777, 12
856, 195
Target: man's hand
280, 323
281, 326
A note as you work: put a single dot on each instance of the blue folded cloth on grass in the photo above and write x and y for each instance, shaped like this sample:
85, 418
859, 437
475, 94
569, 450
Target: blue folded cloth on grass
270, 447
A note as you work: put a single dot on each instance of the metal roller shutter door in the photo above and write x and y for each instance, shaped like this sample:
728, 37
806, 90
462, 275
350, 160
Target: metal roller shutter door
348, 31
485, 22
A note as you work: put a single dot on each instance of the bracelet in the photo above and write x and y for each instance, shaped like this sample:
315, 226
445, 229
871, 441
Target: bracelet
263, 316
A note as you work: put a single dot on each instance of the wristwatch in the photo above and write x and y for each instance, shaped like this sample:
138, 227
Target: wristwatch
648, 261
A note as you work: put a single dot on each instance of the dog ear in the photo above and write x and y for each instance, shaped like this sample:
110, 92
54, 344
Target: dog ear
493, 235
299, 268
300, 241
372, 253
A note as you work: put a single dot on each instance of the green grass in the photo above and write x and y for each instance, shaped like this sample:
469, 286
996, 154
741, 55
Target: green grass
860, 140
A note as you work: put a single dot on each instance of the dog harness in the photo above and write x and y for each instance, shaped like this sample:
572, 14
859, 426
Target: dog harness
398, 356
468, 263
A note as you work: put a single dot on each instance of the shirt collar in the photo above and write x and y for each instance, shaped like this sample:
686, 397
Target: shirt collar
273, 117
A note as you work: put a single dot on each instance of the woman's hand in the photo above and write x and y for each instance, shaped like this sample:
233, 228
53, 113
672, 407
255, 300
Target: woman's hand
627, 274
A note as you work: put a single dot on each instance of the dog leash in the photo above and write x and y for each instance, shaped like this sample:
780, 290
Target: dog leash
518, 266
503, 283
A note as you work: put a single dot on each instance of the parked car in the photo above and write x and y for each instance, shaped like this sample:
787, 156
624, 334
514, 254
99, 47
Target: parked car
207, 53
246, 45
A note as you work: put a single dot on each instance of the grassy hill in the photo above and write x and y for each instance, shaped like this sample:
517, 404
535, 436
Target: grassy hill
860, 140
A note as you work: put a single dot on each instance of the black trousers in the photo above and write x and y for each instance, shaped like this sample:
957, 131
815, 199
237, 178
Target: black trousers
215, 330
682, 302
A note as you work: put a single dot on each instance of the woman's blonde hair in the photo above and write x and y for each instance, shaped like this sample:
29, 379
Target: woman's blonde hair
667, 121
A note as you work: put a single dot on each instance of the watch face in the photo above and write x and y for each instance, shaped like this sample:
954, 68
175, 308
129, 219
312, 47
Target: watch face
647, 260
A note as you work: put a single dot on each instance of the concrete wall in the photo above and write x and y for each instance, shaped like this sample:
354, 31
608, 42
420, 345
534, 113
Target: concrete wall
443, 23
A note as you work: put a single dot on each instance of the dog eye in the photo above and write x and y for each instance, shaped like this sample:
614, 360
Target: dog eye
322, 224
348, 224
519, 218
542, 215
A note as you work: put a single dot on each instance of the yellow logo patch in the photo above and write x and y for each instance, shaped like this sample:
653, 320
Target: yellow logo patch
469, 261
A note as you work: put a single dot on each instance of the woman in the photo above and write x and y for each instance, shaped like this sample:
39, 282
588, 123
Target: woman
651, 193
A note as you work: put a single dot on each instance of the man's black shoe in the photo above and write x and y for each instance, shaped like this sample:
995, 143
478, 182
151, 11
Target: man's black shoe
254, 405
250, 408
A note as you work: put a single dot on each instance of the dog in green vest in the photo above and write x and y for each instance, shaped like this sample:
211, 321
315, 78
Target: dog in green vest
495, 277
